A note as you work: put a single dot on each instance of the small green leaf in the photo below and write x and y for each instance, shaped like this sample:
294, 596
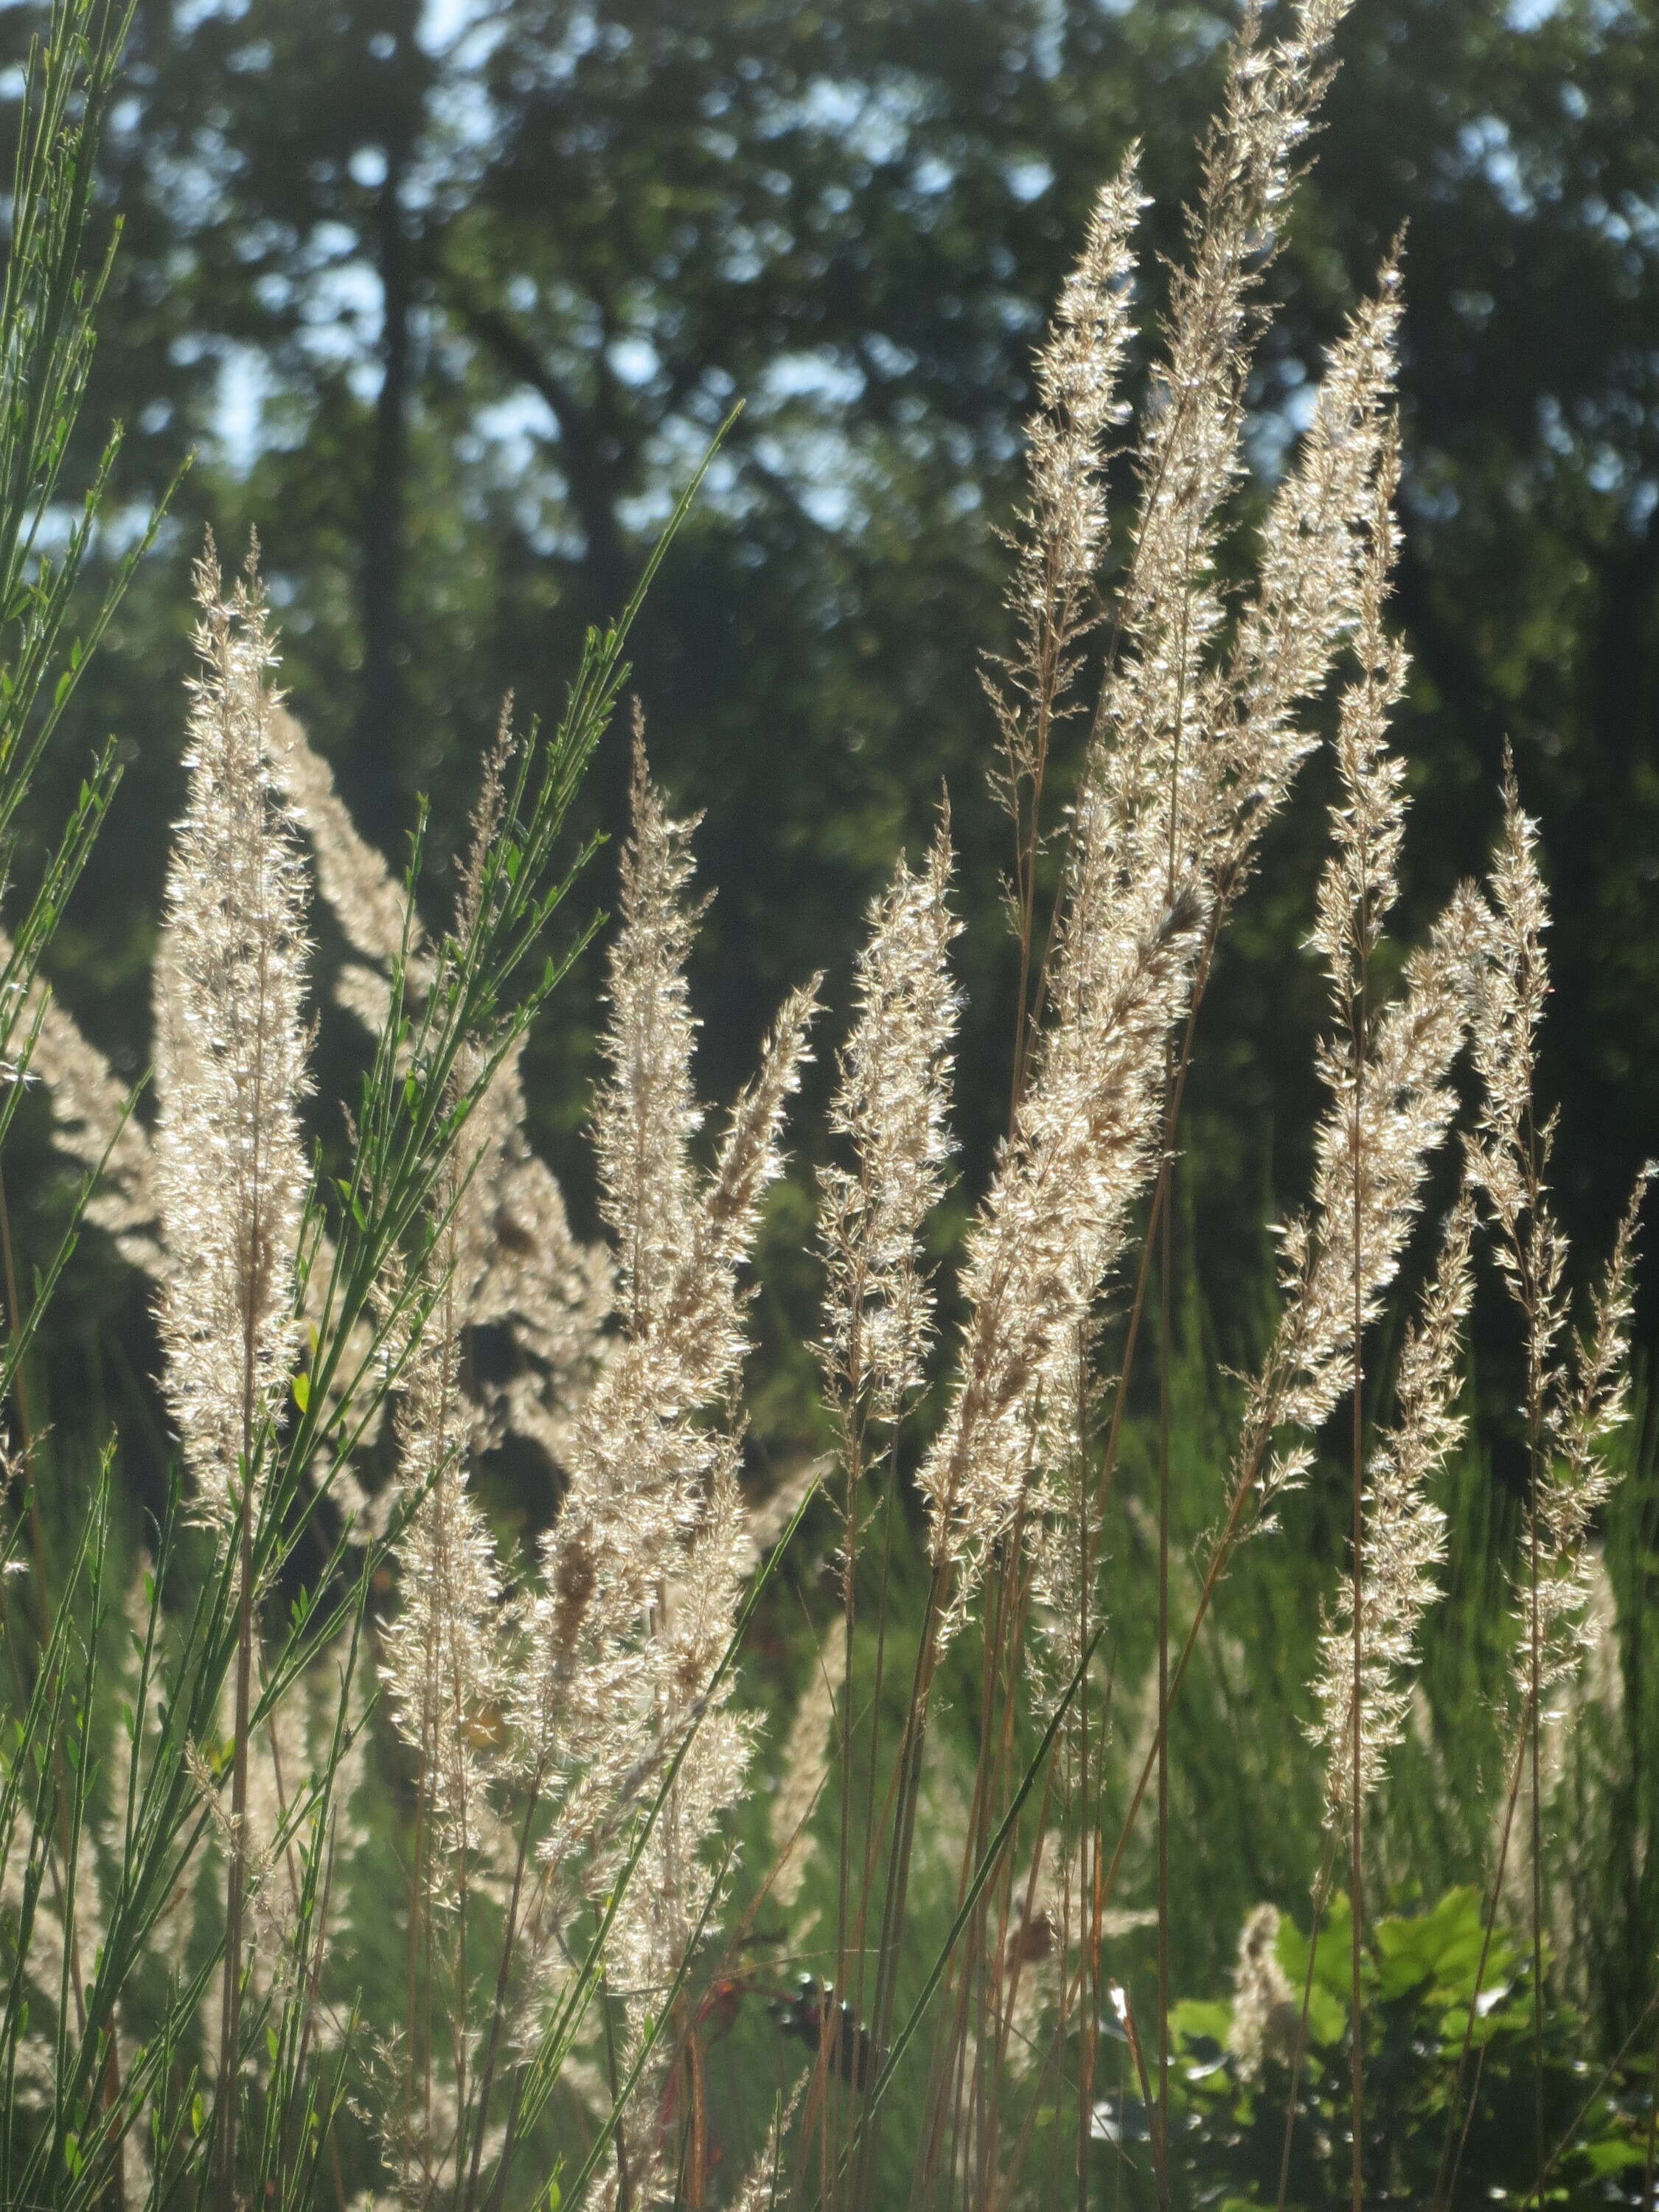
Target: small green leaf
302, 1391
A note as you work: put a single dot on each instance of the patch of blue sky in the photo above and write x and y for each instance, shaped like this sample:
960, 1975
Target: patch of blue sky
1028, 180
521, 428
459, 34
1276, 428
1608, 470
189, 15
831, 504
1486, 145
341, 330
812, 376
819, 470
1633, 223
634, 361
122, 527
444, 21
251, 59
239, 417
874, 121
343, 312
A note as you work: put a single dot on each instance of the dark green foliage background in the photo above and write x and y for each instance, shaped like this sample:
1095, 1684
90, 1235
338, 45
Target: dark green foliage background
447, 316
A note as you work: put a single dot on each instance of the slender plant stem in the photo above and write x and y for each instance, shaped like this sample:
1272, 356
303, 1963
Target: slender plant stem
1452, 2149
1535, 1733
1162, 2123
907, 1776
1357, 1714
1320, 1897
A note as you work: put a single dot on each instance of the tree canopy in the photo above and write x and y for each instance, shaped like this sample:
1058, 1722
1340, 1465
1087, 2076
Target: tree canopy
448, 307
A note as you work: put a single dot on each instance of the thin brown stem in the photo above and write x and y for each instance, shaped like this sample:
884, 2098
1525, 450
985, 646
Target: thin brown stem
1165, 1266
1321, 1894
230, 2015
624, 2193
907, 1779
1357, 1714
503, 1973
1451, 2153
1535, 1733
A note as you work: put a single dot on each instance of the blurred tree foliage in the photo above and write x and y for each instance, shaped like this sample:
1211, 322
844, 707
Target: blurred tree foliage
448, 300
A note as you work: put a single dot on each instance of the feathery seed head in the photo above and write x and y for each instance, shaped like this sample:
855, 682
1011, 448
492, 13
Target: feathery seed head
1404, 1537
231, 1176
1266, 2018
643, 1568
892, 1105
646, 1112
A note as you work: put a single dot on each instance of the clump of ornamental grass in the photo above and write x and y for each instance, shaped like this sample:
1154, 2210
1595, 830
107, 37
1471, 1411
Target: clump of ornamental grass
567, 1756
175, 1898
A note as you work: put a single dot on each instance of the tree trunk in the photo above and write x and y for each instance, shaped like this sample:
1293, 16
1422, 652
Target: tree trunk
382, 702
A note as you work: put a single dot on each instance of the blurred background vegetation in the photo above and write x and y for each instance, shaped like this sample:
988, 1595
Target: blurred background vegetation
447, 299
